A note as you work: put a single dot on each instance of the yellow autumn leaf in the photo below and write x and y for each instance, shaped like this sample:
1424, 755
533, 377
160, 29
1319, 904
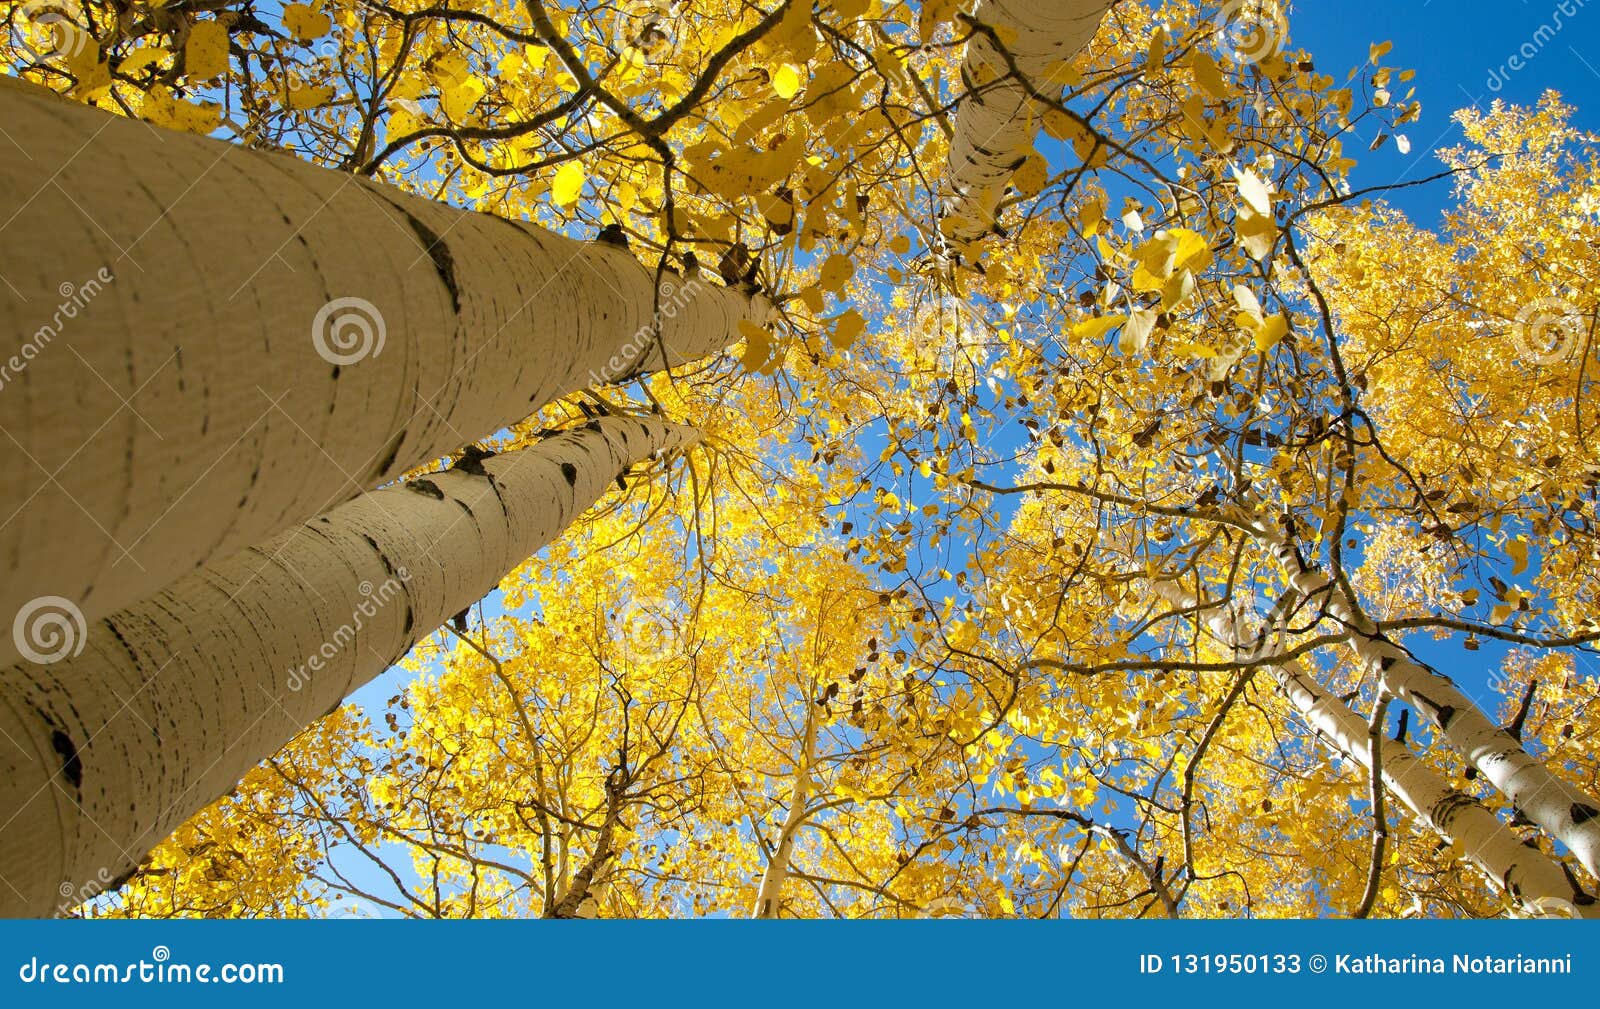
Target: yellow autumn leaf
310, 96
1270, 331
205, 54
837, 270
1094, 329
1253, 191
758, 343
568, 184
846, 328
161, 108
135, 62
1135, 335
786, 82
1517, 549
305, 23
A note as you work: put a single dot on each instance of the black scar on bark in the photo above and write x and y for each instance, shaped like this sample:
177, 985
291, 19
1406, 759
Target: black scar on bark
71, 765
390, 451
471, 461
116, 632
383, 558
443, 263
571, 473
427, 488
1582, 812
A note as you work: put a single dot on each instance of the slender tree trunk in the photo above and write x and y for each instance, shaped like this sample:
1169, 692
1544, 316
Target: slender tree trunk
1530, 877
582, 897
176, 697
769, 898
1562, 810
997, 120
220, 343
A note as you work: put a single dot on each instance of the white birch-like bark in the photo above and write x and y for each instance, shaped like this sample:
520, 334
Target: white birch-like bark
1562, 810
1527, 875
769, 897
173, 699
221, 388
997, 118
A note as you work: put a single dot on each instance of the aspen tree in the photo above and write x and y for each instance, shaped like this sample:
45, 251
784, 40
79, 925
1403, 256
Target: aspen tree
275, 337
174, 699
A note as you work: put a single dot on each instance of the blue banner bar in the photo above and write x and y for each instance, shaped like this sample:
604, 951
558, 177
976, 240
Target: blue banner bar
773, 964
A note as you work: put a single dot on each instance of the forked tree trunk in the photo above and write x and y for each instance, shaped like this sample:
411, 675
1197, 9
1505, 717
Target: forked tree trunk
997, 119
769, 896
175, 698
1527, 875
274, 338
1562, 810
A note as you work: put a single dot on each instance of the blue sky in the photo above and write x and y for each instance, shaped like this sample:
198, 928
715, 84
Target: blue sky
1460, 49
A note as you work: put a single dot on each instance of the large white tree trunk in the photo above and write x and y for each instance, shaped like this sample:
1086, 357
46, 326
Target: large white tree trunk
1563, 811
769, 897
220, 386
997, 119
176, 697
1526, 874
